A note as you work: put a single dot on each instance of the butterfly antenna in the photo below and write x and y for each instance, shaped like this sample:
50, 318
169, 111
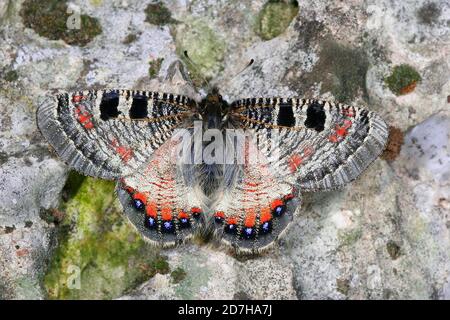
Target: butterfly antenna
197, 69
245, 68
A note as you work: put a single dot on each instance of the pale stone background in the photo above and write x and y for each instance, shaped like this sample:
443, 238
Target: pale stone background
386, 236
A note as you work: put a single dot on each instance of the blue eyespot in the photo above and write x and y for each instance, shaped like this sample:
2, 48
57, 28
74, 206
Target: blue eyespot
266, 227
168, 226
279, 210
218, 219
184, 222
249, 233
230, 228
138, 204
150, 222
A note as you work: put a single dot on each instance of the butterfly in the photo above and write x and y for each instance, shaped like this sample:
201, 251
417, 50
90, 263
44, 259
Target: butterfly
168, 190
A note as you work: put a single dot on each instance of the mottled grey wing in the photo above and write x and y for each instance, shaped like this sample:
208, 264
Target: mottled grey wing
110, 133
313, 144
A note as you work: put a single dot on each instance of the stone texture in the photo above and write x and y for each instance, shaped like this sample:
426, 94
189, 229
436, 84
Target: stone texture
386, 236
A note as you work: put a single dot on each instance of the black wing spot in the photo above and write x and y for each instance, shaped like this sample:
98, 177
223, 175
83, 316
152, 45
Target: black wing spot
138, 108
109, 105
286, 115
63, 102
364, 117
315, 116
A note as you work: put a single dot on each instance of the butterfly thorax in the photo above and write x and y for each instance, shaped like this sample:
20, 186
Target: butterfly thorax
213, 110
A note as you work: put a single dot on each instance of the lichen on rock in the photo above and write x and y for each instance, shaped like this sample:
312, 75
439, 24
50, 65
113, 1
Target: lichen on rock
382, 237
99, 254
428, 13
340, 69
205, 48
11, 76
178, 275
275, 17
154, 67
52, 19
403, 79
158, 14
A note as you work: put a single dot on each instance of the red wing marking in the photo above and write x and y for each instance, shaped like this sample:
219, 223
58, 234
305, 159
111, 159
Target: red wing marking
275, 203
288, 197
266, 215
220, 214
152, 210
140, 196
333, 138
160, 185
231, 220
125, 153
250, 218
166, 213
83, 117
77, 98
340, 132
294, 162
195, 211
307, 151
182, 215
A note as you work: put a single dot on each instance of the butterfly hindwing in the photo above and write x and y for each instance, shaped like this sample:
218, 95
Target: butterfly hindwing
110, 133
255, 205
316, 145
158, 202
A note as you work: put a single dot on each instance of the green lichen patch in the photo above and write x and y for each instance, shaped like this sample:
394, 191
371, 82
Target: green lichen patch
275, 17
340, 70
158, 14
403, 79
96, 3
51, 19
393, 249
428, 13
11, 76
99, 255
348, 67
132, 37
195, 278
343, 286
154, 67
204, 46
349, 238
178, 275
9, 229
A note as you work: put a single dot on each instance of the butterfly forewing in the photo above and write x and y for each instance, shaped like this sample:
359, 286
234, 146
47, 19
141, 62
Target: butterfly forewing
314, 144
110, 134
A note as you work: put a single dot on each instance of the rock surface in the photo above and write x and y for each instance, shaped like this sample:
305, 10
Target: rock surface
384, 236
